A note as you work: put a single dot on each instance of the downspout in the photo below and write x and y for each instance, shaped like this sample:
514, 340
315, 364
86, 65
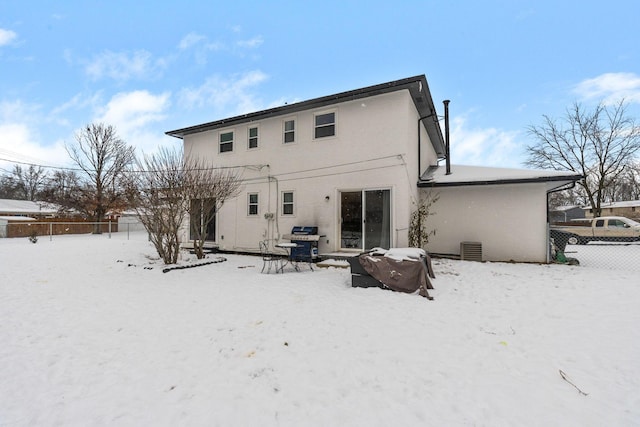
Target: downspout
554, 190
446, 135
420, 143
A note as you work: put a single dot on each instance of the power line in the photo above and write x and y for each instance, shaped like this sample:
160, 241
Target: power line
39, 165
251, 167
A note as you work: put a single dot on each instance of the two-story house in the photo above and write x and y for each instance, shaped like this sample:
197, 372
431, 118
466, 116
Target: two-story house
354, 164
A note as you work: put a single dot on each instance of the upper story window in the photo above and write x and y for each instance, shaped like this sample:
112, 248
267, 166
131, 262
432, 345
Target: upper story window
289, 131
287, 203
252, 204
253, 137
226, 142
325, 125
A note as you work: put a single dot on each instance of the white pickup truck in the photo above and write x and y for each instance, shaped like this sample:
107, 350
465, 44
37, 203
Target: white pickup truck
606, 228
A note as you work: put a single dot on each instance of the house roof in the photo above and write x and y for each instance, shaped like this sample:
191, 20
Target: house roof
417, 87
622, 204
435, 176
16, 218
25, 207
565, 208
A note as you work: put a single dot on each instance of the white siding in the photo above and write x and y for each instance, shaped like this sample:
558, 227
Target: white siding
375, 146
509, 221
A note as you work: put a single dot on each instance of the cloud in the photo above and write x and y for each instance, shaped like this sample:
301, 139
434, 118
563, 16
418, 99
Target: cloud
81, 101
610, 88
129, 111
190, 40
133, 114
200, 45
484, 146
251, 43
7, 37
20, 140
123, 66
18, 144
229, 96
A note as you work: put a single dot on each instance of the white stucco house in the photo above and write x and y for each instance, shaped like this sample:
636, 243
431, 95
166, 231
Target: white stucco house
354, 164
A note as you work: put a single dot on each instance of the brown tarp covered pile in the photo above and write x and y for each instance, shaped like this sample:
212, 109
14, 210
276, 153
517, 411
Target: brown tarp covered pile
407, 275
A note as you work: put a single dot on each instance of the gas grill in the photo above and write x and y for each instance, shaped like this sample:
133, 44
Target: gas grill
306, 238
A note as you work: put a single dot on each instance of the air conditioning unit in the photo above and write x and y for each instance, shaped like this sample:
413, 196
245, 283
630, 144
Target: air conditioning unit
471, 251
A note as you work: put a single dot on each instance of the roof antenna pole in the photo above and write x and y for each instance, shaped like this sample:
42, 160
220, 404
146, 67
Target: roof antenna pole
446, 135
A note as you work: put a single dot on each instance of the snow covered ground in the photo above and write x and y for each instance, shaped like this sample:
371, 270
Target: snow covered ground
607, 255
93, 333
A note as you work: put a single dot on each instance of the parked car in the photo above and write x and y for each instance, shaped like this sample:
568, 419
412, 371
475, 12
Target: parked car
606, 228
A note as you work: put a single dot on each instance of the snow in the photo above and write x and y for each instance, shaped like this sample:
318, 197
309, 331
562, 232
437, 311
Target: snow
464, 173
405, 254
26, 206
93, 333
16, 218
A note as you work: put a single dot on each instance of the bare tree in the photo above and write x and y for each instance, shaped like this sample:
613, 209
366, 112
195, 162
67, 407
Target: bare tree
156, 192
168, 188
25, 184
63, 189
207, 188
598, 144
8, 189
103, 157
626, 186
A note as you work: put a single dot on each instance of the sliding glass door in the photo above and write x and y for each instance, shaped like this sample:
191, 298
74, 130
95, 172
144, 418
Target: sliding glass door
365, 219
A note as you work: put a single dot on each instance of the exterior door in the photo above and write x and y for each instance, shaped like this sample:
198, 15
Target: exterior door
365, 219
203, 218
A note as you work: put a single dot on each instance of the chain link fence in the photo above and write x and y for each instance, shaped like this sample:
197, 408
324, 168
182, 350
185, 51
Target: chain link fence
608, 243
607, 255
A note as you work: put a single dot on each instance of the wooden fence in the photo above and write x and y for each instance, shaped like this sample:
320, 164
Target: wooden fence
54, 226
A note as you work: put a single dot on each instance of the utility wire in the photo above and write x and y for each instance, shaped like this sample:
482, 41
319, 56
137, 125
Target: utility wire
252, 167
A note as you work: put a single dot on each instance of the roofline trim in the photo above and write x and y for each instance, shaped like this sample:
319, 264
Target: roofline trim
432, 184
393, 86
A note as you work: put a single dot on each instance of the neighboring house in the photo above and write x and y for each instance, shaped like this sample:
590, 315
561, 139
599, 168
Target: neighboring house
566, 213
11, 207
353, 164
629, 209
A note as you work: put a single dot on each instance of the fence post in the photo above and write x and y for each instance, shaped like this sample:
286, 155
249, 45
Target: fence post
109, 229
50, 231
128, 224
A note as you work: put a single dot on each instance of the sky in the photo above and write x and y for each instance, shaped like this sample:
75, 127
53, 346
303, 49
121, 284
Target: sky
150, 67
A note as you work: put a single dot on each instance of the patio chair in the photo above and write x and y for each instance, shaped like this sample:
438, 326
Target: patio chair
269, 259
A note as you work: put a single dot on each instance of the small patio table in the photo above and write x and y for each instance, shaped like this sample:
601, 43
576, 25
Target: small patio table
290, 260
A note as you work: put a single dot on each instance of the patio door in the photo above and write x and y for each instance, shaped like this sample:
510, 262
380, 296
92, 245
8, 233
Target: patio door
203, 219
365, 219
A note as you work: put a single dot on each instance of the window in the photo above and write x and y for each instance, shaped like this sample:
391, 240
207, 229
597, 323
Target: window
289, 131
287, 203
253, 137
617, 223
252, 204
226, 142
325, 125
